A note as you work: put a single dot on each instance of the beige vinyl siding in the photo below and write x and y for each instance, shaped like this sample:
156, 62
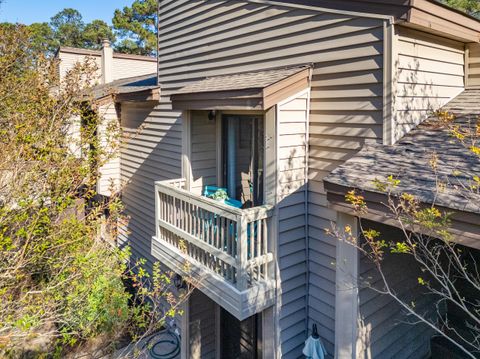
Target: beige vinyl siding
121, 67
346, 109
74, 131
202, 323
109, 173
208, 38
124, 68
150, 151
203, 151
68, 62
473, 65
384, 328
292, 130
429, 72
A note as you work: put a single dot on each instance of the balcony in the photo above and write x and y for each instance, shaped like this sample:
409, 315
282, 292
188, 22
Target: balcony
225, 249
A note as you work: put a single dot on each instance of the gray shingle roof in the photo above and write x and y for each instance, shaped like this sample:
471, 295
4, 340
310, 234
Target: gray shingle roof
127, 85
409, 161
241, 81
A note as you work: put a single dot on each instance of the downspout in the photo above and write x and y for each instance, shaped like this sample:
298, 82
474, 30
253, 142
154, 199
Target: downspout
307, 224
232, 158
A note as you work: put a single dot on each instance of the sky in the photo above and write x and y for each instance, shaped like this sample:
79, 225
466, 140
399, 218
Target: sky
29, 11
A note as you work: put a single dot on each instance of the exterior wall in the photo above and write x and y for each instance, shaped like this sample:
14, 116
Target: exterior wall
108, 132
203, 38
68, 62
384, 330
150, 151
203, 151
74, 133
473, 78
202, 328
346, 110
123, 68
199, 38
429, 15
429, 73
292, 132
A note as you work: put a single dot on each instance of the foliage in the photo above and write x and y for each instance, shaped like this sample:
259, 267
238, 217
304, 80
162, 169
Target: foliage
219, 195
449, 270
61, 281
95, 32
137, 26
471, 7
68, 27
42, 37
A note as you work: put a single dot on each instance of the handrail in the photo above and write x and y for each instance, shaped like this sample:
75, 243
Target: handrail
259, 212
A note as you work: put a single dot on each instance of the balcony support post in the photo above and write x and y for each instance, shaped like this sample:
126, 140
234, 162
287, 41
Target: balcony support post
157, 210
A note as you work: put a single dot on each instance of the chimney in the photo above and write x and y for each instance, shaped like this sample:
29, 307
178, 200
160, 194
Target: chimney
107, 62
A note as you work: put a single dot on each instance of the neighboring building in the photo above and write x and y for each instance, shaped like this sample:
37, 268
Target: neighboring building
111, 65
266, 99
117, 75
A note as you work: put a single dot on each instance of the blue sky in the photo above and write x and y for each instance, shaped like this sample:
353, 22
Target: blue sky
28, 11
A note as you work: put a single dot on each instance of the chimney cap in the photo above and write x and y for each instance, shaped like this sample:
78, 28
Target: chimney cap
106, 42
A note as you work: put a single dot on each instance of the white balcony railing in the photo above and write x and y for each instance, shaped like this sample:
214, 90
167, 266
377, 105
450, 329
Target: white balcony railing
232, 243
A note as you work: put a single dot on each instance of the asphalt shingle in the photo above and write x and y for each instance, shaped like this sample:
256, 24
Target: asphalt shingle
241, 81
410, 161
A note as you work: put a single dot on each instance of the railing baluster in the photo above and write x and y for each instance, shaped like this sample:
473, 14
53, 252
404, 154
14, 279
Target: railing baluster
242, 253
228, 238
182, 215
258, 238
250, 227
265, 246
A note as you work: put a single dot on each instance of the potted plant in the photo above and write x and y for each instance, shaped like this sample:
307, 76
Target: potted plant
220, 195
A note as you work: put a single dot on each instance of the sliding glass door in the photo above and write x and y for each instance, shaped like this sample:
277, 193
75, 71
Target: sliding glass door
243, 158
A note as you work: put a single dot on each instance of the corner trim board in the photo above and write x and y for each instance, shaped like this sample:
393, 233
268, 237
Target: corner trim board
346, 296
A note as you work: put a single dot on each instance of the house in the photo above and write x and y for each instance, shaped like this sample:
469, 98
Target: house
409, 160
116, 76
264, 99
111, 66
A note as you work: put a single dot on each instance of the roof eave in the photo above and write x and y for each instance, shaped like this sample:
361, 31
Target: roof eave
245, 99
144, 95
437, 18
461, 223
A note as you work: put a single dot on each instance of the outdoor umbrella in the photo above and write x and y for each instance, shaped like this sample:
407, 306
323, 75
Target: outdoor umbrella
314, 348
